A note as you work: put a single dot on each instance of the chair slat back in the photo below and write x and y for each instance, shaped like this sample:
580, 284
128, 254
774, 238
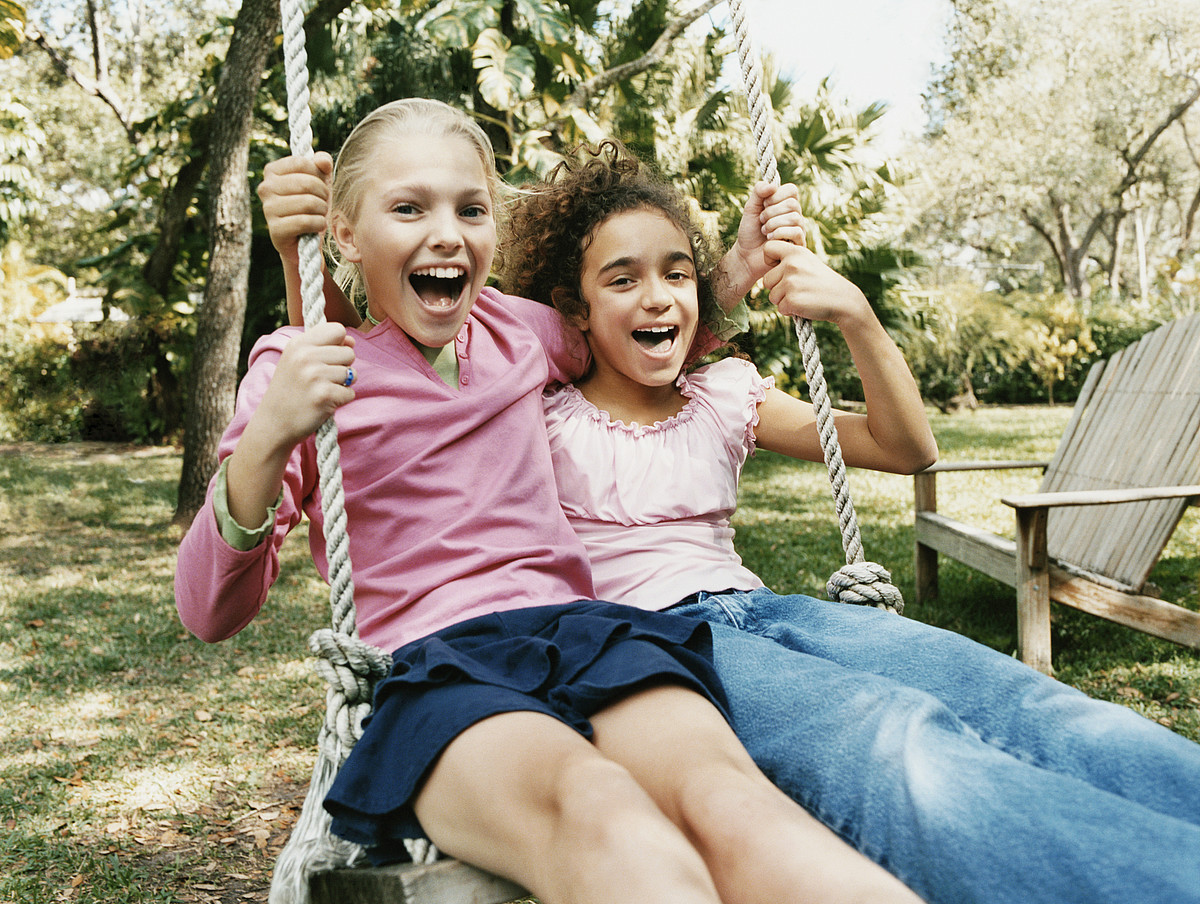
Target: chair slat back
1136, 424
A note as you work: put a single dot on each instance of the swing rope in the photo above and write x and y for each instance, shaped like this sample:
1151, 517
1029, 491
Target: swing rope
351, 667
858, 581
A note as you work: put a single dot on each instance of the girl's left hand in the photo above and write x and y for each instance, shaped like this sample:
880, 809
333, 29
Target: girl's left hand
800, 284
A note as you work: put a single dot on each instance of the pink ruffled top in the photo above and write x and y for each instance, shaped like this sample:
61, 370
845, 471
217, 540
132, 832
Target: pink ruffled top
652, 504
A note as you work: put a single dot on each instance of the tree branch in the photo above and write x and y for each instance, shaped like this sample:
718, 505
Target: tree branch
96, 88
1041, 229
590, 87
1134, 160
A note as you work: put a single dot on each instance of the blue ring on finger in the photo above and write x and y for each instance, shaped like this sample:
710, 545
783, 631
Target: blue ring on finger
349, 376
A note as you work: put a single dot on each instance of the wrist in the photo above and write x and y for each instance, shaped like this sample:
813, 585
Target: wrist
857, 317
733, 279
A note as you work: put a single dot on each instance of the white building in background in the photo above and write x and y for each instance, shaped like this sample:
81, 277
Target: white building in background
80, 306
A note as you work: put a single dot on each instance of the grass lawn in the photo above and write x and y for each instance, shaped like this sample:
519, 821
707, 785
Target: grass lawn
141, 765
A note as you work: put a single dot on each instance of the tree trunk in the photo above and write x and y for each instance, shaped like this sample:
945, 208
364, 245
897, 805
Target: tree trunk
1139, 237
212, 381
1114, 266
173, 213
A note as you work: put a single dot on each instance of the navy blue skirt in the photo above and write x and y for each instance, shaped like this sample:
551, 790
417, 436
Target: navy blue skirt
567, 661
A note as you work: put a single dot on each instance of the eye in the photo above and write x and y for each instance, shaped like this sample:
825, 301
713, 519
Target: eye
404, 208
679, 275
474, 212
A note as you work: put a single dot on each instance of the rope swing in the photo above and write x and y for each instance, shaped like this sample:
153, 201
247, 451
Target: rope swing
858, 581
352, 667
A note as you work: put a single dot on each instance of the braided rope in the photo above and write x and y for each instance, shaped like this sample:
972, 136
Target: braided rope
853, 582
350, 667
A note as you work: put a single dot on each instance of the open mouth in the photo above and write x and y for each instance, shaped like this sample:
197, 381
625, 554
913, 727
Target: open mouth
439, 287
656, 338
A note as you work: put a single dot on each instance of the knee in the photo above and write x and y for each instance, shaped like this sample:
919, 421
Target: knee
599, 806
721, 809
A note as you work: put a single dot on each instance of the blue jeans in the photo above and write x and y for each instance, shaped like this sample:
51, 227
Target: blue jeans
968, 775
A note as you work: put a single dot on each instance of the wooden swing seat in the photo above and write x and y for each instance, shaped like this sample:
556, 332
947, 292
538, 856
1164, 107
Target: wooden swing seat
442, 882
1125, 470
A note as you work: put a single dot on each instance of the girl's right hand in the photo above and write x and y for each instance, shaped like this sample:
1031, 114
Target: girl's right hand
295, 198
308, 385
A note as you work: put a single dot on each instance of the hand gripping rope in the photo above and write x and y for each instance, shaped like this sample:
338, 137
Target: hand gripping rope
351, 667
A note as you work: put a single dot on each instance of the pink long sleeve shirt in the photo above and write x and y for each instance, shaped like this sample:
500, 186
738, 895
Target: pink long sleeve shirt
450, 496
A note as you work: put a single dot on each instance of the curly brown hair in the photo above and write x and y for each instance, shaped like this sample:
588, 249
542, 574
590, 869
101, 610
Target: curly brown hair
550, 225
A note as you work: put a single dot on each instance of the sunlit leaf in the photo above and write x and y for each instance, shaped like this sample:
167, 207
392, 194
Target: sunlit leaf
12, 27
505, 72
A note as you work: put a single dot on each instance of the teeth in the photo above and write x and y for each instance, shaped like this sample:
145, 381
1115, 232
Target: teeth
655, 337
441, 272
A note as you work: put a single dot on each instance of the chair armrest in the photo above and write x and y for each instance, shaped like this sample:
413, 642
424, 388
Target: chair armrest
982, 466
1099, 497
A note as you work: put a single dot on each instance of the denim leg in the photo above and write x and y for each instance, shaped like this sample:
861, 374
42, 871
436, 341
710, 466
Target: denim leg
897, 774
1012, 707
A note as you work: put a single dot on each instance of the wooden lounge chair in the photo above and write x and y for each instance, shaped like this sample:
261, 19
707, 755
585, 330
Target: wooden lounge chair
1125, 470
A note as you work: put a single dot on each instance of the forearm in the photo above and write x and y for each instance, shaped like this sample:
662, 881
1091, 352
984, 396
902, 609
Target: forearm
255, 472
896, 418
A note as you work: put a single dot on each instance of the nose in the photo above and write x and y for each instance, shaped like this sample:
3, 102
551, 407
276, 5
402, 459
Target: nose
445, 232
657, 296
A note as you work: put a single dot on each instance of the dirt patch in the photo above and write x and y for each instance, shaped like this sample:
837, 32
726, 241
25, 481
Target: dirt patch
231, 862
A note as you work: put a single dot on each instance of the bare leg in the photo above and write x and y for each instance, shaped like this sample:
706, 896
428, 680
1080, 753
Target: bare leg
760, 847
524, 796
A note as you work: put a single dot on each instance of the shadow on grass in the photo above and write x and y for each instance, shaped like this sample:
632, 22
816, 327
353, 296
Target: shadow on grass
140, 764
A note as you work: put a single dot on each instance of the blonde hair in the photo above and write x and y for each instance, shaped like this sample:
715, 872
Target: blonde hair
407, 116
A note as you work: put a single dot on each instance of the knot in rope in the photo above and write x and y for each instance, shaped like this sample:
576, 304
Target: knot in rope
351, 668
866, 584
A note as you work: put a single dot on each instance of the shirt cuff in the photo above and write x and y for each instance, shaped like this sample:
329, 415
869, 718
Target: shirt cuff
732, 322
240, 538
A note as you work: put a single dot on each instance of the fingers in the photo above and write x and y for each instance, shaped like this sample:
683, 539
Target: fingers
781, 217
295, 197
312, 376
800, 284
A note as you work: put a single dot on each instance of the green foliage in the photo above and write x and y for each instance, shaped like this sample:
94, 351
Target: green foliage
95, 386
965, 345
65, 382
12, 27
38, 401
21, 140
514, 65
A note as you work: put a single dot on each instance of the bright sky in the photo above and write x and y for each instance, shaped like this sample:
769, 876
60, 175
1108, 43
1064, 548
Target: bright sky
872, 49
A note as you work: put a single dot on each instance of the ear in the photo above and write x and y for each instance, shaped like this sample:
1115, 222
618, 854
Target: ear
343, 234
570, 307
